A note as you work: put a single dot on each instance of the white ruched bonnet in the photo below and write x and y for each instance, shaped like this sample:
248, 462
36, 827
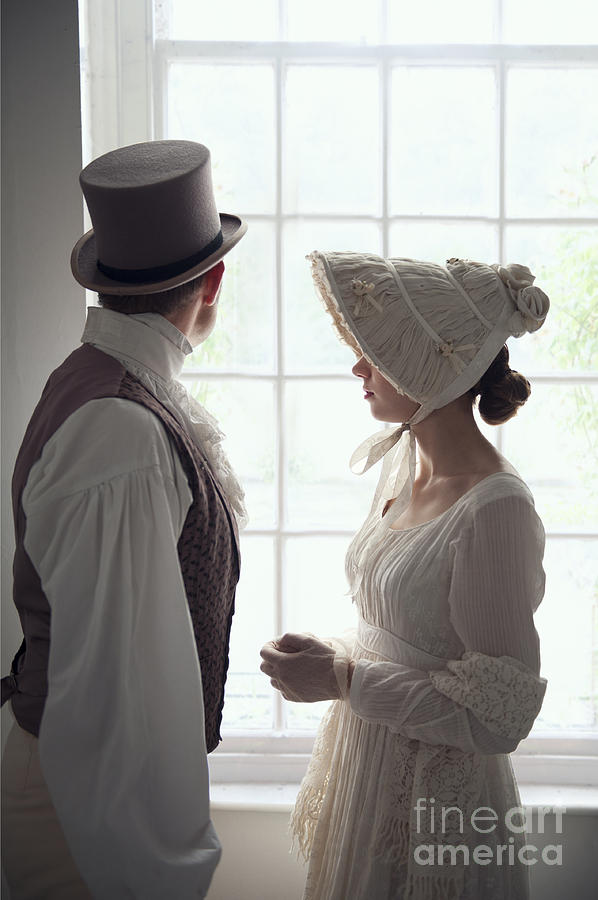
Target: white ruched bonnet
431, 330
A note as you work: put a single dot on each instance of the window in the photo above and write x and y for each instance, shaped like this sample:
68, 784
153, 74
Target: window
424, 129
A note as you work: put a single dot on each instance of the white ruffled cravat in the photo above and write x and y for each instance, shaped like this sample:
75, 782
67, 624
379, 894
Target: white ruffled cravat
154, 350
209, 437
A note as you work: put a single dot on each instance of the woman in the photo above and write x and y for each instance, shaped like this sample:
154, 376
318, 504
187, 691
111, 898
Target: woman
410, 792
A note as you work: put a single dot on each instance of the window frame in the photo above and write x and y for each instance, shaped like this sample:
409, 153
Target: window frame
125, 102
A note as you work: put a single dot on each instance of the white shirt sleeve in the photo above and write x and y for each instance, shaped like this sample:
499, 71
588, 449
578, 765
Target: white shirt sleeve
487, 701
122, 742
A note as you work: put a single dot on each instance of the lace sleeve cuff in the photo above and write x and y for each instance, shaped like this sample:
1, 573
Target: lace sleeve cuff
502, 693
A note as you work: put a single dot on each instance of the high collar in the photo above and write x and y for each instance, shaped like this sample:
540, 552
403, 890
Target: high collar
147, 339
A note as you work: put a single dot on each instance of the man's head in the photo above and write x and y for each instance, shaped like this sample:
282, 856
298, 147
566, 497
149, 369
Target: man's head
155, 226
192, 306
163, 302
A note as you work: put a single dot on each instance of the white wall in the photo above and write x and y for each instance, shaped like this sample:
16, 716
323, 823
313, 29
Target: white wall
256, 863
43, 308
42, 319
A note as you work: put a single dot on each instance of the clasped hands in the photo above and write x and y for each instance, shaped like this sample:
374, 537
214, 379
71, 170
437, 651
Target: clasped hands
305, 669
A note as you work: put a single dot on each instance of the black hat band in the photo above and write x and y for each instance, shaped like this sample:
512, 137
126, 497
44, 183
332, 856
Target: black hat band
161, 273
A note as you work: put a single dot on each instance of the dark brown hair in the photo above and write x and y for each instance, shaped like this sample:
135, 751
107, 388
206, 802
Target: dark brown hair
502, 390
164, 302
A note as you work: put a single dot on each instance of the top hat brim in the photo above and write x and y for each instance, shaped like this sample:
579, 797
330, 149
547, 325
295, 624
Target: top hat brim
85, 269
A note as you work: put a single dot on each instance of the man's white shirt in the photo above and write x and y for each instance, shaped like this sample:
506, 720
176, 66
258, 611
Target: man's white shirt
122, 743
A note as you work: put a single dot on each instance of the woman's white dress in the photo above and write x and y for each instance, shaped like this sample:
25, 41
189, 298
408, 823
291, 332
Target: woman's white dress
445, 686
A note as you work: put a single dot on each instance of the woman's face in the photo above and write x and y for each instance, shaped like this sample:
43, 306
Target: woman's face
386, 403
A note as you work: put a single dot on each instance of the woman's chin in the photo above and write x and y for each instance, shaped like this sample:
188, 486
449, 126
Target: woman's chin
391, 419
379, 415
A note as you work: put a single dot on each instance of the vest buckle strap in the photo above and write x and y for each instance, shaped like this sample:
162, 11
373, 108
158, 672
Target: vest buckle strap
9, 687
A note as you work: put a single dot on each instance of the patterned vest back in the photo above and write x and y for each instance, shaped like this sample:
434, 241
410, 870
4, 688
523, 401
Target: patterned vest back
208, 546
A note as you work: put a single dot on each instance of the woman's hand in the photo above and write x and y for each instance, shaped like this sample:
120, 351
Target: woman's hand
305, 669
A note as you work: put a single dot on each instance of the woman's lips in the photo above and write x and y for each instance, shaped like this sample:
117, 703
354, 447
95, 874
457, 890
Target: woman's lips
368, 395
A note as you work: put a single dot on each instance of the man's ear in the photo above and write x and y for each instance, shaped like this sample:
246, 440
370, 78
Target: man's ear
211, 283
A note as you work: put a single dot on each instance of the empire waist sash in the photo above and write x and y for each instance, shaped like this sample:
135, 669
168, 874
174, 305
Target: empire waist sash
396, 649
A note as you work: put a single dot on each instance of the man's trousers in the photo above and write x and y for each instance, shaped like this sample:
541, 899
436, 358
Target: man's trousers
36, 860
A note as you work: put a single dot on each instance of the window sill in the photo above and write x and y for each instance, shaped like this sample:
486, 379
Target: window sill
283, 760
263, 773
270, 797
262, 797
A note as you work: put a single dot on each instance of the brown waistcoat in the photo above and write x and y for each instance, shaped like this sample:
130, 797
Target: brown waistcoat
208, 546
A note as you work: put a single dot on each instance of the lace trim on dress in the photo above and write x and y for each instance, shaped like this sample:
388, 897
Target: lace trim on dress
441, 774
392, 837
504, 695
315, 784
454, 780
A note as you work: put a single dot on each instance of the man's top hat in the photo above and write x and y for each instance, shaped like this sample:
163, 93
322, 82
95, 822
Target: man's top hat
155, 222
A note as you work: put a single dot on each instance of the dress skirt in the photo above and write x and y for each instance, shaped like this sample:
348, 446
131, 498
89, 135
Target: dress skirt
355, 818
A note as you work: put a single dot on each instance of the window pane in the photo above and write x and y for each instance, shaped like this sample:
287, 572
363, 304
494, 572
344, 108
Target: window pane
248, 696
230, 108
332, 140
565, 263
552, 443
326, 421
550, 21
317, 601
436, 21
316, 589
439, 241
243, 339
334, 20
311, 343
443, 141
245, 411
551, 138
235, 20
566, 621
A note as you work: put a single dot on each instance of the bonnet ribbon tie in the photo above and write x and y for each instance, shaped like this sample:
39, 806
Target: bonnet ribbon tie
447, 349
375, 447
362, 303
365, 297
395, 481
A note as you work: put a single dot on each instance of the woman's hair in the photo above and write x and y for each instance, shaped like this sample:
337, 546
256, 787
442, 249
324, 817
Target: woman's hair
502, 390
163, 302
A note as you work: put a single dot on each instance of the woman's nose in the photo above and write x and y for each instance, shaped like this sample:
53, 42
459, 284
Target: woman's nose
362, 368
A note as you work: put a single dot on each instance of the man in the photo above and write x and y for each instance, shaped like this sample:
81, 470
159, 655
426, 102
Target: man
126, 520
